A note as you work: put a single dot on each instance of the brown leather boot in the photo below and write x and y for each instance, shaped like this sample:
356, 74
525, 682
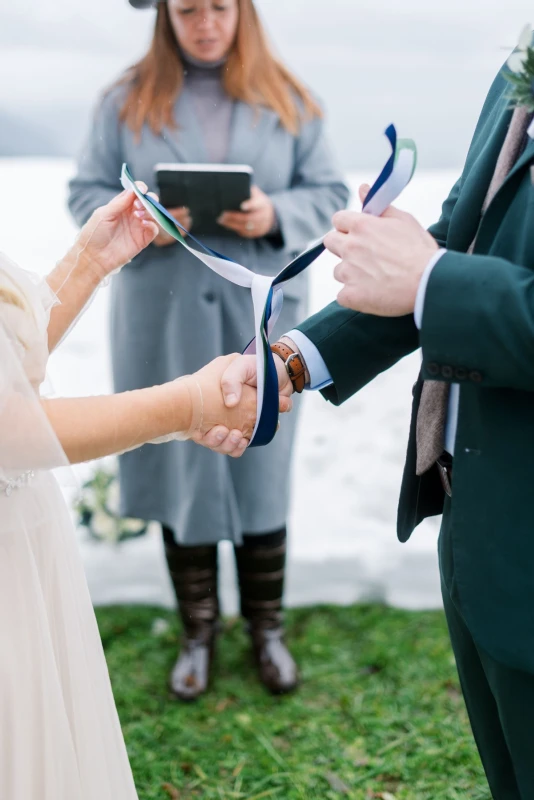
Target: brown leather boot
193, 571
261, 570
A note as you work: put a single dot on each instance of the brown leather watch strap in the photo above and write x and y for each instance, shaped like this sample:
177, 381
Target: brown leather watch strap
294, 365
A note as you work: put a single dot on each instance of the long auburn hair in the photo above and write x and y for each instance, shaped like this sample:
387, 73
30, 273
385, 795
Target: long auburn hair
252, 74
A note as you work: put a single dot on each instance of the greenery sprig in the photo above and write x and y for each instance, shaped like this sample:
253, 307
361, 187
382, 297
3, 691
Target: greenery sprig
520, 72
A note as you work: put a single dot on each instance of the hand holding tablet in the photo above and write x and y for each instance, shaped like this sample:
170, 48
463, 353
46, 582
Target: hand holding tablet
256, 219
201, 194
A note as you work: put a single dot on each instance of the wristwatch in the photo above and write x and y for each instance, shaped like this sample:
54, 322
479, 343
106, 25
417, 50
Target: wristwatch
294, 365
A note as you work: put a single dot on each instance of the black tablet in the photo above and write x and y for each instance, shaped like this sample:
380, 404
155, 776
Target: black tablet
206, 189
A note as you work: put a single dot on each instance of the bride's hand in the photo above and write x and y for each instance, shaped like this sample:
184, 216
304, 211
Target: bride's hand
116, 233
226, 430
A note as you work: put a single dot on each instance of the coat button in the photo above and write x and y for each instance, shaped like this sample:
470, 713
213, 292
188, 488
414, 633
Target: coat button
475, 376
460, 373
447, 372
209, 297
432, 368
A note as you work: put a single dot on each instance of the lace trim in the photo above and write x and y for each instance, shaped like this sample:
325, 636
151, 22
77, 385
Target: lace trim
8, 487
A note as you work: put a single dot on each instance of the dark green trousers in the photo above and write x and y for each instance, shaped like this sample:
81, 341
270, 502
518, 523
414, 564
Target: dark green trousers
499, 700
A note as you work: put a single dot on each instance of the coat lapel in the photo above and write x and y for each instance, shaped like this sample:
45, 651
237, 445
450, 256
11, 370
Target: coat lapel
502, 200
477, 178
186, 141
251, 128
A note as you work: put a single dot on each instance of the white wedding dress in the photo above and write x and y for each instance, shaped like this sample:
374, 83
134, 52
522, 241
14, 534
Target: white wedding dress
60, 737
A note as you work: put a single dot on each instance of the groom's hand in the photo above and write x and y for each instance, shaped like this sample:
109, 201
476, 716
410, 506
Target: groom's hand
242, 372
382, 260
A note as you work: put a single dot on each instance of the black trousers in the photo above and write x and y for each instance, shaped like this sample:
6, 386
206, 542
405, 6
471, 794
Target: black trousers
499, 700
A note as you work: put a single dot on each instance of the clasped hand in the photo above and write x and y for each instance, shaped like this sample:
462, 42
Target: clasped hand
382, 262
234, 388
114, 235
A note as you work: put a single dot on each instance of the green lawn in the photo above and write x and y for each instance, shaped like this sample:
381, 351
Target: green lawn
379, 714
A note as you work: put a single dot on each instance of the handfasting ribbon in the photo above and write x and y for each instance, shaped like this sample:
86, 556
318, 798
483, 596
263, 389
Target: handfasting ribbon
266, 291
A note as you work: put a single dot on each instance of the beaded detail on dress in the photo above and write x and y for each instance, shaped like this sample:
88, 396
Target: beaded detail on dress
7, 487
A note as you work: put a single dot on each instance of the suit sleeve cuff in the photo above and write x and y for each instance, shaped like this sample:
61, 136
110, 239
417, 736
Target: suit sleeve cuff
320, 377
421, 292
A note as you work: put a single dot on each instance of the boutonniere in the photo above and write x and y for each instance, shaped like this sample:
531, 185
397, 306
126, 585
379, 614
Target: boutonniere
520, 74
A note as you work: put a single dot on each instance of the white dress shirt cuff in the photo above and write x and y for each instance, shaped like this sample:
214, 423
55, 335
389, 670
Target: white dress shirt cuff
423, 283
319, 375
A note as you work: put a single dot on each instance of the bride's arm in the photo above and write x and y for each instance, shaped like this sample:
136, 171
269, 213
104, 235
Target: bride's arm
93, 427
114, 235
73, 281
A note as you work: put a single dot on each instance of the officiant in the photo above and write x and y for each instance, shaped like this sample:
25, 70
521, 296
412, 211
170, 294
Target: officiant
209, 90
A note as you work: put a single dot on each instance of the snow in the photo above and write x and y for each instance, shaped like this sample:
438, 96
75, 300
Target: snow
348, 461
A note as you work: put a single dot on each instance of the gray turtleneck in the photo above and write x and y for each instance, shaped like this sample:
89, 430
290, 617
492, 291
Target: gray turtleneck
212, 105
214, 109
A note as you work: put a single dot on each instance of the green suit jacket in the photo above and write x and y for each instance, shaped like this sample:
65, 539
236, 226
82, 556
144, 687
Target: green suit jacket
478, 331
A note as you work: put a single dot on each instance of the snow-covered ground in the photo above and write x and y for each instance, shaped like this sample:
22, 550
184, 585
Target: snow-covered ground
348, 461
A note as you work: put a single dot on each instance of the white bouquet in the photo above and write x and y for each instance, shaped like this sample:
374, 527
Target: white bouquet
97, 509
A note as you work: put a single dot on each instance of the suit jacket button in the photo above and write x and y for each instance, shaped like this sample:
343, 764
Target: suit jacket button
432, 368
209, 297
475, 376
460, 373
447, 372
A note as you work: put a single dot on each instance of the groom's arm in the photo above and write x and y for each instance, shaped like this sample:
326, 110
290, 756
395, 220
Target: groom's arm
478, 322
338, 335
347, 349
357, 347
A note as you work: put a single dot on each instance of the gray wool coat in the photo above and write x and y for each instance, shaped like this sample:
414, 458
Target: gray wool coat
171, 314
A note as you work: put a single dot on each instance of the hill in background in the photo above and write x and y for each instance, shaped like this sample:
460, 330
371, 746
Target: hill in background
425, 66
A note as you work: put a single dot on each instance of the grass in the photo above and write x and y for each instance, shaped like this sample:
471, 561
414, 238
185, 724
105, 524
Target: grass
379, 714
